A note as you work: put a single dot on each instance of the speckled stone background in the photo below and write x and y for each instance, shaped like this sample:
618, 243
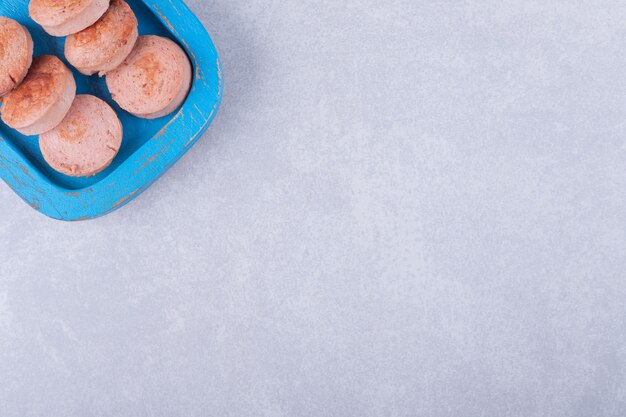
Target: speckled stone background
404, 208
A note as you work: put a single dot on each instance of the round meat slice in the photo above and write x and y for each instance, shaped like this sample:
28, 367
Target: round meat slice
154, 80
16, 54
103, 46
65, 17
42, 100
87, 140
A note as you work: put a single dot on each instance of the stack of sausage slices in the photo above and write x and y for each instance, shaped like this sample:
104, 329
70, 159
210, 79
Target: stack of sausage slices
80, 135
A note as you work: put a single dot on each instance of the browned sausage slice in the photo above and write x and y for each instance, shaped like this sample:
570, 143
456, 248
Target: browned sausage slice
103, 46
87, 140
154, 80
16, 54
42, 100
64, 17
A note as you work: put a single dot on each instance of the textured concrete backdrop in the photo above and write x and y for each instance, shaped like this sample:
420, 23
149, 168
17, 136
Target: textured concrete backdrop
404, 208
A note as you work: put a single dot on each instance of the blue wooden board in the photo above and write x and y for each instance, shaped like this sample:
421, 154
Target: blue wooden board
149, 148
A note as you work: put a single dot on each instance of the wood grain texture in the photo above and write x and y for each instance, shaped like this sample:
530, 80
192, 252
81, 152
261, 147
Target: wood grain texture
147, 155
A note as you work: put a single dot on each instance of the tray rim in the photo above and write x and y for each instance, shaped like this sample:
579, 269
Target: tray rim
141, 169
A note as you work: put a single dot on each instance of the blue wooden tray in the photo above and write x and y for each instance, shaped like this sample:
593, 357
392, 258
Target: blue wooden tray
149, 148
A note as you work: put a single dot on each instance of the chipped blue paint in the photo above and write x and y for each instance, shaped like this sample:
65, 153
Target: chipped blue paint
150, 147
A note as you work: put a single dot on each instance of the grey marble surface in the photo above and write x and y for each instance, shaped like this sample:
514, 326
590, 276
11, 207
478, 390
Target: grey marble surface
404, 208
